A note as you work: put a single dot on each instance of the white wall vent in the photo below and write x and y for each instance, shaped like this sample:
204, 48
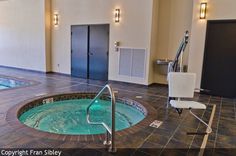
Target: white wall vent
132, 62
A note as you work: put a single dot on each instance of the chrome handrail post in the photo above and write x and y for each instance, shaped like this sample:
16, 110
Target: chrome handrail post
113, 111
107, 138
110, 133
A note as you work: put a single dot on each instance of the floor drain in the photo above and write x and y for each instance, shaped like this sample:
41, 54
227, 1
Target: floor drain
138, 97
156, 124
40, 94
2, 115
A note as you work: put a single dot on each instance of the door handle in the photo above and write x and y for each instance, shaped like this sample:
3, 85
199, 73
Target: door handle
90, 53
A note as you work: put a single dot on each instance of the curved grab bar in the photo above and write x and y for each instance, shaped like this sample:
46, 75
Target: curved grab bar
110, 131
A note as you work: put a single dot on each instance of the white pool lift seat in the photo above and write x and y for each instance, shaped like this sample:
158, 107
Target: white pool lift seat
182, 85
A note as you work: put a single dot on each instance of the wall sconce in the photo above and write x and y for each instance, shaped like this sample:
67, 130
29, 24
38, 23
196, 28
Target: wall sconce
56, 19
203, 9
117, 15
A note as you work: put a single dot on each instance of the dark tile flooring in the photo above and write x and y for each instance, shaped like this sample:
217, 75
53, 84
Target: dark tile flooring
169, 139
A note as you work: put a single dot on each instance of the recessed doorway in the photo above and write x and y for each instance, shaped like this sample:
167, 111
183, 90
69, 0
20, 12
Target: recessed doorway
90, 51
218, 76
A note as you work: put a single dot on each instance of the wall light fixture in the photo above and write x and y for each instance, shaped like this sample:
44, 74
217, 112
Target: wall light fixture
56, 19
203, 10
117, 15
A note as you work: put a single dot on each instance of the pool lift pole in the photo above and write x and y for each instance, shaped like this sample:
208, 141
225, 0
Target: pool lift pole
173, 65
110, 132
177, 64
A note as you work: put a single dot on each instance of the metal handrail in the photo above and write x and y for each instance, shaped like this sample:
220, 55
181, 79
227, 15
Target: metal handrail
173, 66
110, 131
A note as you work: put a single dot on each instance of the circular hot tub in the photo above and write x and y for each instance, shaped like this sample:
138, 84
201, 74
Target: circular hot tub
66, 114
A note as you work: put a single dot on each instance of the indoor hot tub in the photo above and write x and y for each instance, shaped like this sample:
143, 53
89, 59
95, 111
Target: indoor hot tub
66, 114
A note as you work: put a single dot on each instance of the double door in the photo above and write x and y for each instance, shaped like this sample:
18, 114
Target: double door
89, 51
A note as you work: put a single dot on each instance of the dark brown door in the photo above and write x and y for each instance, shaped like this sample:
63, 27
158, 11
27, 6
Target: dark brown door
219, 67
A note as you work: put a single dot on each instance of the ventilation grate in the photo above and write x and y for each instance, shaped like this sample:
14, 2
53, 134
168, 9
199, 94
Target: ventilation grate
132, 62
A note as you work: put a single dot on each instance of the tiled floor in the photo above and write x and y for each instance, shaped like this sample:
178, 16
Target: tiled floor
169, 139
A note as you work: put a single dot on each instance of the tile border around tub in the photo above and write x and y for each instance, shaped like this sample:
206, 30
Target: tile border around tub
14, 112
82, 95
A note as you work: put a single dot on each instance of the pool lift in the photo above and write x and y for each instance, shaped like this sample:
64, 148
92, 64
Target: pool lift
182, 85
177, 65
110, 132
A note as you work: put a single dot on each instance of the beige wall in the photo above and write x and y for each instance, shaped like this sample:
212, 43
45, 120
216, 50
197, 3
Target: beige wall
22, 39
48, 27
175, 17
156, 25
133, 31
154, 45
217, 9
